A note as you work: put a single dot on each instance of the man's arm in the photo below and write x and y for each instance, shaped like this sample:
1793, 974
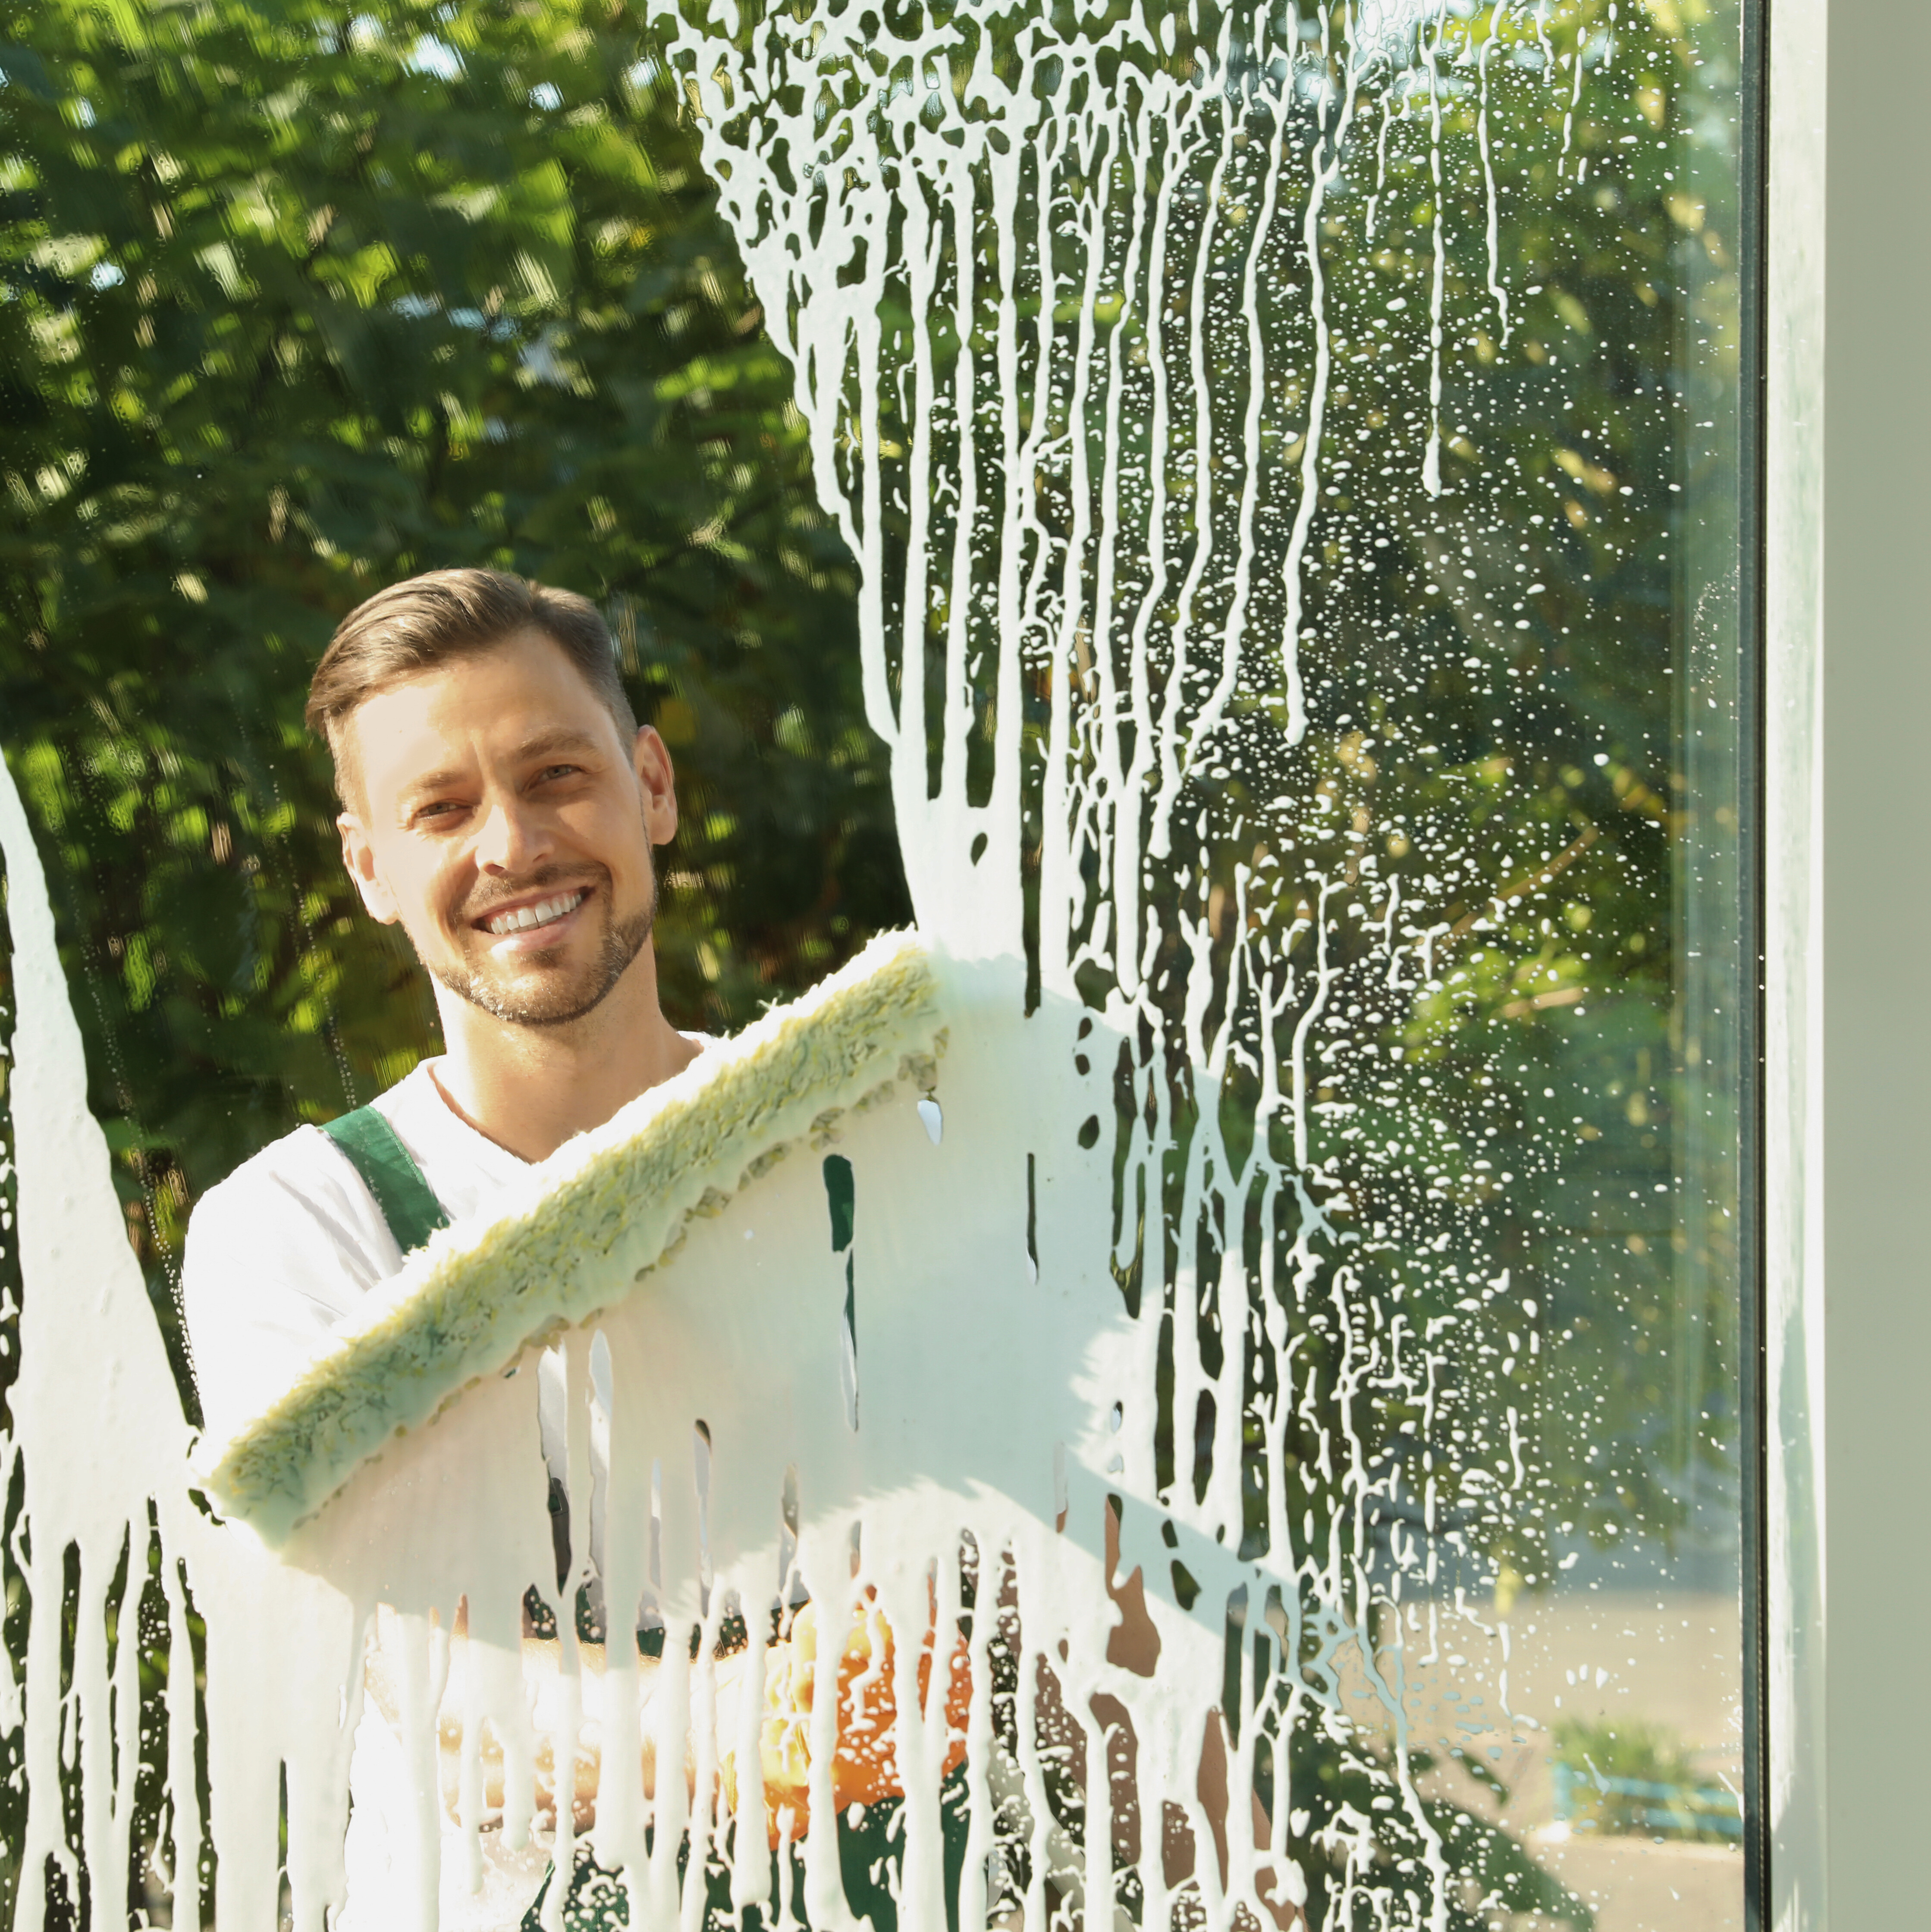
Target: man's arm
278, 1254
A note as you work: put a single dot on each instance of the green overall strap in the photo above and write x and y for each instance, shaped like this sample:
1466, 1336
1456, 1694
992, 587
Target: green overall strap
408, 1205
413, 1213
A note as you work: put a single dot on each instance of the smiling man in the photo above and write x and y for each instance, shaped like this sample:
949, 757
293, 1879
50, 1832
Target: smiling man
500, 804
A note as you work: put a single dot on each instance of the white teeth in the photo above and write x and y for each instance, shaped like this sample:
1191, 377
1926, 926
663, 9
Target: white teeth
541, 913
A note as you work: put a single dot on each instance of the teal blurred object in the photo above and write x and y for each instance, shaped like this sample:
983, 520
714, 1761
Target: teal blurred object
1665, 1810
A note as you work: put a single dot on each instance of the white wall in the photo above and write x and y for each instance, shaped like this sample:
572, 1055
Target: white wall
1877, 1077
1850, 1048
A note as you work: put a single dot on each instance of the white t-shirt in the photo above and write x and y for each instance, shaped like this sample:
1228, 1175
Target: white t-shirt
278, 1254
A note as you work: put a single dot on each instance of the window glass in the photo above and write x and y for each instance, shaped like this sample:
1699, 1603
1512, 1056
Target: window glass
1228, 521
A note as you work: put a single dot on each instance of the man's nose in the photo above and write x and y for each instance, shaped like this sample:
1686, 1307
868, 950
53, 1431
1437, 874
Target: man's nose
511, 838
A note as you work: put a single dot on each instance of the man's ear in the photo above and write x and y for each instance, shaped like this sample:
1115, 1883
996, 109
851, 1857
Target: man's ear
359, 857
657, 783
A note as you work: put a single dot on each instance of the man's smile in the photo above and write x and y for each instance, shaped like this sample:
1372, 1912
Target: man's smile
534, 915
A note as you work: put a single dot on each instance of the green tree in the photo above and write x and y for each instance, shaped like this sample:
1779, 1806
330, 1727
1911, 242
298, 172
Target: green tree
295, 300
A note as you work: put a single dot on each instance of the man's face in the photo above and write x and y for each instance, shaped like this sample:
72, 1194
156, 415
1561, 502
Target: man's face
501, 819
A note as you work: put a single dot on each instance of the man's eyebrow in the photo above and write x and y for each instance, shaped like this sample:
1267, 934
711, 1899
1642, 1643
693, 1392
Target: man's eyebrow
431, 782
563, 738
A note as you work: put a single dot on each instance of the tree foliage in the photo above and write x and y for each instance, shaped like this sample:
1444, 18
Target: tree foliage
1523, 735
297, 299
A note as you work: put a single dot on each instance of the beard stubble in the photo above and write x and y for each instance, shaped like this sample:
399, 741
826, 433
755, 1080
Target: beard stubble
559, 1003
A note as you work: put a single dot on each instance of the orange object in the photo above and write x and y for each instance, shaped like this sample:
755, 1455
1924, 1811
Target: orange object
864, 1769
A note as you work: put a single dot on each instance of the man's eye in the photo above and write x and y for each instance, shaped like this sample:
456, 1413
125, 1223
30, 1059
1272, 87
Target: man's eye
557, 771
437, 809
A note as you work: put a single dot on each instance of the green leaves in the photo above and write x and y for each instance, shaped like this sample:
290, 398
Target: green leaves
297, 300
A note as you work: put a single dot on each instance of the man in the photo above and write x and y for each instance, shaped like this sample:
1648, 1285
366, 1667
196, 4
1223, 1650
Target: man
501, 803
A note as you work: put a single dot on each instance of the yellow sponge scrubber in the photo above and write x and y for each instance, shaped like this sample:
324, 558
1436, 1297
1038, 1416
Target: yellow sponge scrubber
594, 1219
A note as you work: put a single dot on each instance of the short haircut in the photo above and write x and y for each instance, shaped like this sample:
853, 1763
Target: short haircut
426, 620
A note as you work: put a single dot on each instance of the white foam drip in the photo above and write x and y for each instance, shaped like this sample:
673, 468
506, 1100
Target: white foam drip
1431, 460
1498, 293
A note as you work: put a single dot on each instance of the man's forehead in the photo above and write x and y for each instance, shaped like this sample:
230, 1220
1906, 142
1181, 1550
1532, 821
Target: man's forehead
511, 702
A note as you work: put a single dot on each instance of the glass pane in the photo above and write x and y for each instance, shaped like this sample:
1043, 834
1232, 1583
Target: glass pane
1227, 519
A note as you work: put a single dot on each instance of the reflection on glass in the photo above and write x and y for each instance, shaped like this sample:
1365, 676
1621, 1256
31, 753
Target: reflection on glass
1252, 497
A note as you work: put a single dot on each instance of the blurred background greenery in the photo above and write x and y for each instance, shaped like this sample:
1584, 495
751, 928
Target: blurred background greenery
296, 300
1637, 1779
